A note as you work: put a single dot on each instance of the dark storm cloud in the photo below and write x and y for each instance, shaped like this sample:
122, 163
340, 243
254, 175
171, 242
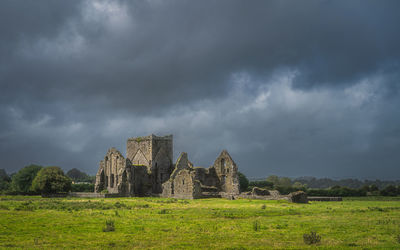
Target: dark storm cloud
80, 76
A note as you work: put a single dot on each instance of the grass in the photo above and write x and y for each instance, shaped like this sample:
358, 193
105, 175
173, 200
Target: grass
158, 223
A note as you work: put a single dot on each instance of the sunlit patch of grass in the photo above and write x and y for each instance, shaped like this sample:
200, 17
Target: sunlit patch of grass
27, 222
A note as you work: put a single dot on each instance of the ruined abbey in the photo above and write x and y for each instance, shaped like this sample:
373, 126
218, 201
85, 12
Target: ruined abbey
148, 170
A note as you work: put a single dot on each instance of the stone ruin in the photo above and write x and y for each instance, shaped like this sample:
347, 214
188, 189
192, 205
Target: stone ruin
148, 170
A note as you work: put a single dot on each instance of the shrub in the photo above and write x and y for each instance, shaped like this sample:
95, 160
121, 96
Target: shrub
243, 182
163, 211
82, 187
120, 205
4, 180
79, 176
311, 238
389, 191
337, 191
110, 227
51, 180
256, 226
261, 184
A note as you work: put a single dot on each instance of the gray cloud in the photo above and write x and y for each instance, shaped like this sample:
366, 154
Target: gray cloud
288, 88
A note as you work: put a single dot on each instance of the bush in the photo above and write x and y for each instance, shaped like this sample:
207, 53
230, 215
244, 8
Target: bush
337, 191
163, 211
256, 226
261, 184
389, 191
78, 176
5, 180
22, 180
51, 180
243, 182
83, 187
311, 238
289, 189
110, 227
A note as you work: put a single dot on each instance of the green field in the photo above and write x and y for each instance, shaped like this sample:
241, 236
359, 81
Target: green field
35, 222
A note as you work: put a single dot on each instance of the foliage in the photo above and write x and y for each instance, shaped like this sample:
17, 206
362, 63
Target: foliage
243, 182
51, 180
109, 226
82, 187
289, 189
4, 176
390, 191
78, 176
163, 211
311, 238
5, 180
261, 184
256, 225
274, 179
374, 185
22, 180
336, 191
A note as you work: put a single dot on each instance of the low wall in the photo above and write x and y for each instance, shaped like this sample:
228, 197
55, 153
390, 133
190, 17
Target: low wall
315, 198
263, 197
87, 195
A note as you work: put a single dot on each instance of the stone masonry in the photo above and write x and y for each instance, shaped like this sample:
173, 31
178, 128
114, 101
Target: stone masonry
148, 170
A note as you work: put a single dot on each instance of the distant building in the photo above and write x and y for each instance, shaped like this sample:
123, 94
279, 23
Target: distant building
148, 171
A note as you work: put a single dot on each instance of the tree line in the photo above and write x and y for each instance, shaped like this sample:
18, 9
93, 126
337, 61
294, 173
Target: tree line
35, 179
323, 187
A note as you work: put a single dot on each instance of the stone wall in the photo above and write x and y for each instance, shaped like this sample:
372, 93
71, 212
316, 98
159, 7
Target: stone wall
227, 173
110, 171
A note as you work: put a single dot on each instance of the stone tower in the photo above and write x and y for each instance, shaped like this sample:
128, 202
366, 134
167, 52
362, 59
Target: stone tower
155, 153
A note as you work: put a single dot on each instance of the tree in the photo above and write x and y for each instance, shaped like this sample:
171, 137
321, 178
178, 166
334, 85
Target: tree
77, 175
389, 191
51, 180
22, 180
4, 180
243, 182
285, 182
297, 185
273, 179
373, 187
261, 184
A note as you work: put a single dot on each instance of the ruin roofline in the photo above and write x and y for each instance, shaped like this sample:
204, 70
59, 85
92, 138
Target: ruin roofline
151, 137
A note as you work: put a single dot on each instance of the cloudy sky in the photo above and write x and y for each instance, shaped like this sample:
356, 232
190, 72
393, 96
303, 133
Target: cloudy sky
292, 88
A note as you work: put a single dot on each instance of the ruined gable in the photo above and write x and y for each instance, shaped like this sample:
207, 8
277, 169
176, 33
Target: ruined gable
110, 171
227, 173
140, 159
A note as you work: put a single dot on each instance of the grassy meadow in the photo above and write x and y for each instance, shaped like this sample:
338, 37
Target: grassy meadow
158, 223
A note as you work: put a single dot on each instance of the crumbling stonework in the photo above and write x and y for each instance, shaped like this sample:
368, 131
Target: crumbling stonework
148, 171
259, 191
298, 197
